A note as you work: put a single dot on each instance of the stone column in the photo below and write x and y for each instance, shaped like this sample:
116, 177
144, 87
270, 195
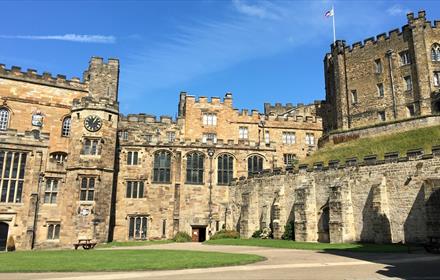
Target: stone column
305, 212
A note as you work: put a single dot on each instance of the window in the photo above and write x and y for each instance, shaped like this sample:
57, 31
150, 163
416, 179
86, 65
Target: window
209, 136
137, 228
225, 169
59, 157
135, 189
12, 169
65, 129
171, 136
51, 192
255, 164
378, 66
289, 159
87, 189
354, 97
243, 132
380, 91
53, 231
4, 118
123, 135
132, 158
410, 110
266, 137
381, 116
408, 83
404, 58
289, 138
162, 167
164, 228
436, 78
209, 119
91, 147
194, 168
435, 52
310, 139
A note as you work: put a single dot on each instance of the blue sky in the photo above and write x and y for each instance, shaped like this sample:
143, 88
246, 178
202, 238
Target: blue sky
261, 51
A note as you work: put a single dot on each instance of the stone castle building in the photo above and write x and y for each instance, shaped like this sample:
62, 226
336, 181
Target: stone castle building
72, 167
387, 78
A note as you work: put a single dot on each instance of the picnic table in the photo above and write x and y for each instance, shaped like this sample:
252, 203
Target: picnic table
433, 245
85, 243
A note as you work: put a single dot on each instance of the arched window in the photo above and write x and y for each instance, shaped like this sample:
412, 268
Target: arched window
162, 167
194, 168
435, 52
59, 157
225, 169
65, 129
4, 118
255, 164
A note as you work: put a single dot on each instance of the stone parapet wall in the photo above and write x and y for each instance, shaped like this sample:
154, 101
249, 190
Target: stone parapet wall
381, 203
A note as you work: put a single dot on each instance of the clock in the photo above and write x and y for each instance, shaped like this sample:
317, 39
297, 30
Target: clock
93, 123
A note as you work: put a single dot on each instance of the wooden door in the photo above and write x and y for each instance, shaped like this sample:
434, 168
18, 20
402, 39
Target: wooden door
4, 227
195, 235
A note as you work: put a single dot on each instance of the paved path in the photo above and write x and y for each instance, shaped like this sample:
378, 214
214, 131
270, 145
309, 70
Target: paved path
280, 264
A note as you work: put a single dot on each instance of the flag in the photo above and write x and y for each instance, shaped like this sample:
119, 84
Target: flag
329, 13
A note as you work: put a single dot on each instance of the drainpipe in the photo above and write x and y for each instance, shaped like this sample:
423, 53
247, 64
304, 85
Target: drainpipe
390, 66
210, 154
37, 202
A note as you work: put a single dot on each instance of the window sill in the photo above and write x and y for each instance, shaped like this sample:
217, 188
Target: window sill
195, 184
159, 183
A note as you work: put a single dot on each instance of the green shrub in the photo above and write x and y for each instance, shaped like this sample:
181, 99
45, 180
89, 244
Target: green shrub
226, 234
289, 231
182, 237
257, 234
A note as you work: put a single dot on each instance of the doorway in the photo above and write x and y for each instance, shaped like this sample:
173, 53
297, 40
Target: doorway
198, 233
4, 227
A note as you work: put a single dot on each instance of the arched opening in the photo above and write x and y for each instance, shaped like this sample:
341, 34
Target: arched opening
436, 107
4, 228
324, 225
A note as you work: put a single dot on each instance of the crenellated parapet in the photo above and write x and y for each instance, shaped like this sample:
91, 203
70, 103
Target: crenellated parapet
101, 103
46, 78
147, 119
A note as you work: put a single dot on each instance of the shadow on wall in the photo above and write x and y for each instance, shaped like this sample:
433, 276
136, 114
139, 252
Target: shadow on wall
376, 226
324, 224
415, 225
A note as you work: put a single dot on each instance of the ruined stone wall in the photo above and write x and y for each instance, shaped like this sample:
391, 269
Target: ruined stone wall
352, 71
382, 202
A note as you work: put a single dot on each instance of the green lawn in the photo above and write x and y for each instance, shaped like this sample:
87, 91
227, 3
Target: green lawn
117, 260
288, 244
399, 142
133, 243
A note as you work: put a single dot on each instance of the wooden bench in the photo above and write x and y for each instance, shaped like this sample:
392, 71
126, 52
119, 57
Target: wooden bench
433, 245
85, 243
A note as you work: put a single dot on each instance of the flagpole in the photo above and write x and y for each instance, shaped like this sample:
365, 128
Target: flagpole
334, 28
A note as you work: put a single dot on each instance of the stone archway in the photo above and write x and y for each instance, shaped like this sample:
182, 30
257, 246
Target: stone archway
4, 228
324, 225
436, 107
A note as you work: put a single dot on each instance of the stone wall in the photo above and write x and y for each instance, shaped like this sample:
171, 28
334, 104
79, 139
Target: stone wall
351, 70
379, 202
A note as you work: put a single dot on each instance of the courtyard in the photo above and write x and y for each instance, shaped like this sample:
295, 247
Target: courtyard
278, 263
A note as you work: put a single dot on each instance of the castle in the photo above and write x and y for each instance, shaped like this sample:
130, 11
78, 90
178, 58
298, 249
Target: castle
73, 168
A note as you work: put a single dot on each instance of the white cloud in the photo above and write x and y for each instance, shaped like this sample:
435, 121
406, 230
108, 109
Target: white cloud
397, 10
263, 9
66, 37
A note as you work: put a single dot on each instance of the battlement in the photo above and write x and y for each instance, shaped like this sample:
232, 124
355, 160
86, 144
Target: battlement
46, 78
280, 109
97, 104
148, 119
390, 35
203, 100
370, 160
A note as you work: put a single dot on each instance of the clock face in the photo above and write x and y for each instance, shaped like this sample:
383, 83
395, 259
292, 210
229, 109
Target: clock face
92, 123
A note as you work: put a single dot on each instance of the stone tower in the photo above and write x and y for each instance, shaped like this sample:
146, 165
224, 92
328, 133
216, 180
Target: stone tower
91, 164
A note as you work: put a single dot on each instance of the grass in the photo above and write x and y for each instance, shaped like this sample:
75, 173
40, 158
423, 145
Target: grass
117, 260
288, 244
132, 243
398, 142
